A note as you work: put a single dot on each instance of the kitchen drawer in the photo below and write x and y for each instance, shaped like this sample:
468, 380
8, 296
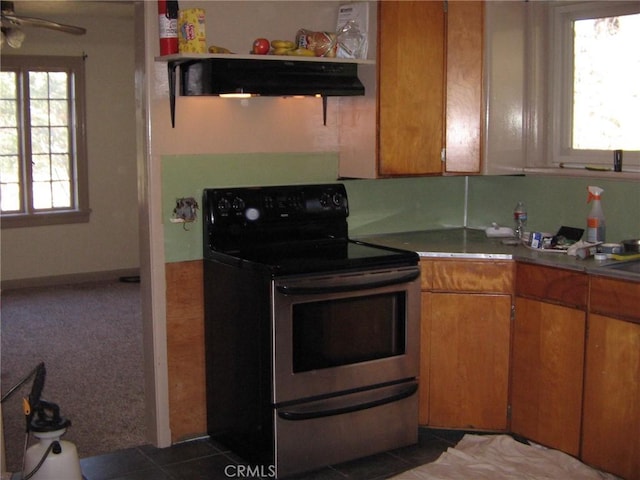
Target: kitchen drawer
553, 285
615, 298
486, 276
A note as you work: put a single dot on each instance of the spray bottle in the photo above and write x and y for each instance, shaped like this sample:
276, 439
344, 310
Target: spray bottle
595, 221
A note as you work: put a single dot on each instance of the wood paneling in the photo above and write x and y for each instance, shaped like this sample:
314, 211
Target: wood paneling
185, 349
425, 356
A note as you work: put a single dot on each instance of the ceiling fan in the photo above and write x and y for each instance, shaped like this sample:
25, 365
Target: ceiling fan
12, 24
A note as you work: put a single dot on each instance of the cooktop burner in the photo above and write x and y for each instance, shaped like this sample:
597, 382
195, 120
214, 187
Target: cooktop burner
289, 230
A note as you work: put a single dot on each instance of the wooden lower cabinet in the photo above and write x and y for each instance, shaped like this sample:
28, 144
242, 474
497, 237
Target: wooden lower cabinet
469, 375
611, 423
547, 373
465, 343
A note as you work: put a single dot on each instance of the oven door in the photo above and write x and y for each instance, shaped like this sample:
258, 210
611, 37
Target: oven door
341, 333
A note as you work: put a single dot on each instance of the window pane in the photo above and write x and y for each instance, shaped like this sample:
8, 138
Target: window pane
60, 140
40, 140
39, 110
58, 85
41, 168
606, 104
8, 113
9, 141
59, 112
8, 84
10, 197
9, 169
42, 195
39, 85
61, 194
60, 167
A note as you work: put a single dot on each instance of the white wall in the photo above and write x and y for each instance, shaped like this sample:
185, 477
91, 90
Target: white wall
109, 242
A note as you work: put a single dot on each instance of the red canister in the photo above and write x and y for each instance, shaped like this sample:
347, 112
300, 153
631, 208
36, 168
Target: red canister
168, 26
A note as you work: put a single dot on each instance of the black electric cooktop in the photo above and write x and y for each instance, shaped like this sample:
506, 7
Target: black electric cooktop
337, 256
289, 230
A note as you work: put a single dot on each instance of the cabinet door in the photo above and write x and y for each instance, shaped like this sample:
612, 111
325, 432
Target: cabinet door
611, 424
411, 38
469, 362
547, 372
464, 86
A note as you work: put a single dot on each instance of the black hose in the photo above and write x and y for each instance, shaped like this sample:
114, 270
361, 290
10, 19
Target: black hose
51, 446
38, 368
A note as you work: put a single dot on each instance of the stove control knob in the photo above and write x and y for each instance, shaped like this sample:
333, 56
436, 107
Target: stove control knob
338, 199
224, 205
252, 214
325, 200
238, 204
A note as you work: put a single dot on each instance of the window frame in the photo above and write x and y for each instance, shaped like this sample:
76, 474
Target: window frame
560, 106
79, 212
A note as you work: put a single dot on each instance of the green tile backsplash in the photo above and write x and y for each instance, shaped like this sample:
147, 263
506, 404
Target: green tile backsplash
395, 205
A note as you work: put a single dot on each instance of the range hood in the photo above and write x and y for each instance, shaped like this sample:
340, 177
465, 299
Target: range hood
272, 77
217, 76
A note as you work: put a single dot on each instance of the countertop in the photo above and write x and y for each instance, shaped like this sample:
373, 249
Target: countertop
473, 244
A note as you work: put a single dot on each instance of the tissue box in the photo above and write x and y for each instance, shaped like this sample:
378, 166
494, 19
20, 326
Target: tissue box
191, 33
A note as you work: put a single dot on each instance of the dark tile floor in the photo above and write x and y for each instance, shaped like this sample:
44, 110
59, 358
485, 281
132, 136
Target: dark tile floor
203, 459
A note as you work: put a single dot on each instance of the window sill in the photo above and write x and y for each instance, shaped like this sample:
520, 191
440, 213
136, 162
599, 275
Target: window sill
44, 219
582, 173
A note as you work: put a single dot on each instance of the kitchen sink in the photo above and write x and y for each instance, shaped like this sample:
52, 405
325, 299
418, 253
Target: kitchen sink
630, 266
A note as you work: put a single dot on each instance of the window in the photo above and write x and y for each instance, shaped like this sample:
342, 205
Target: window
43, 165
595, 82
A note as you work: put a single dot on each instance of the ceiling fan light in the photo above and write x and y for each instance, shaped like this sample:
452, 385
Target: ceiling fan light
15, 37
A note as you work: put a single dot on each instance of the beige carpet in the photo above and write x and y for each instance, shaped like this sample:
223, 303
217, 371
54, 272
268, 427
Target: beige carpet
500, 457
90, 338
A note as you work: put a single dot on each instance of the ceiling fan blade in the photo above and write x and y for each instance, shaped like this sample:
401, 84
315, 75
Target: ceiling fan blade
39, 22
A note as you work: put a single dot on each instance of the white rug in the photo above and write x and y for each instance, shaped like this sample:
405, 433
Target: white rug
500, 457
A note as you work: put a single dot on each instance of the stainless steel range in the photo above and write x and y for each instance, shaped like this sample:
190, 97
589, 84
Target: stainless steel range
312, 339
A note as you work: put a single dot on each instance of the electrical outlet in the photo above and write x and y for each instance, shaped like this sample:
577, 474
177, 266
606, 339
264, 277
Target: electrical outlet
185, 210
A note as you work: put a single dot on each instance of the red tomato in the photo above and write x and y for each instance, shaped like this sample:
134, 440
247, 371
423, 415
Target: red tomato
261, 46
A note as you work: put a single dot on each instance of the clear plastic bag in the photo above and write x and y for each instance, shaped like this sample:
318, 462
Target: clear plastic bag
352, 42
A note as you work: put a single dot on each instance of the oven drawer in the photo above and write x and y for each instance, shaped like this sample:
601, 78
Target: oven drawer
384, 424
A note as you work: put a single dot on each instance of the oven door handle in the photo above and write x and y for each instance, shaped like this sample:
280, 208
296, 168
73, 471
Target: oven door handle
348, 287
370, 400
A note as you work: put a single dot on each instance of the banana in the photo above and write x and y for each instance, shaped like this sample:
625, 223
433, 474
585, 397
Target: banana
302, 52
281, 51
216, 49
284, 44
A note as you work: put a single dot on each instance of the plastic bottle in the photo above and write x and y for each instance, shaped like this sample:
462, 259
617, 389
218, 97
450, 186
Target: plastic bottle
596, 226
520, 219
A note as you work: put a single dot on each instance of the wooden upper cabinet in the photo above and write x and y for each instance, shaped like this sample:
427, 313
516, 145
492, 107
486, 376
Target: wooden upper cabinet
464, 106
411, 50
